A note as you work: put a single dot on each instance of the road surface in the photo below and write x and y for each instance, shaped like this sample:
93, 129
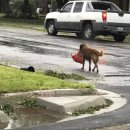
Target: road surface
25, 48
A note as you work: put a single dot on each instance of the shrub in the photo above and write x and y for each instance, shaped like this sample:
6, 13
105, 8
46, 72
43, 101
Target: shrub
22, 9
7, 108
64, 75
29, 102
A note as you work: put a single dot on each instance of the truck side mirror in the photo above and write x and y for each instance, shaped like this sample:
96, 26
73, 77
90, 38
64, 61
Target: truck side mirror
60, 10
121, 13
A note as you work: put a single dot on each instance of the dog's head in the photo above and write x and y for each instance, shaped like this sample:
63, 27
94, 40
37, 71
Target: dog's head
82, 46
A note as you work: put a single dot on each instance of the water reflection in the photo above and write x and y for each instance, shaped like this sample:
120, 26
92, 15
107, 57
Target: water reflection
24, 117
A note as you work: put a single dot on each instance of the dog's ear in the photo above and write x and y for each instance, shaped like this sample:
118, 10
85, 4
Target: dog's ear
81, 47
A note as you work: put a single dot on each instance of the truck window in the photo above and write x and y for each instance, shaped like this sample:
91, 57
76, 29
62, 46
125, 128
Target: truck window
67, 8
105, 6
88, 7
78, 7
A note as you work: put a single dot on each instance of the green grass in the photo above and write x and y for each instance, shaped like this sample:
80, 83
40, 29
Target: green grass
15, 80
34, 24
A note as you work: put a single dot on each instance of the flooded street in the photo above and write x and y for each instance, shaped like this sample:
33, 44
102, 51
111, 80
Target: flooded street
44, 52
54, 53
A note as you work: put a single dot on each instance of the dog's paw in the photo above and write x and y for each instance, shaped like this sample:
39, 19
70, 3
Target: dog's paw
89, 70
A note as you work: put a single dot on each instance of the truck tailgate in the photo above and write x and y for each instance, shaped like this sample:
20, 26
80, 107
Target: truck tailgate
115, 17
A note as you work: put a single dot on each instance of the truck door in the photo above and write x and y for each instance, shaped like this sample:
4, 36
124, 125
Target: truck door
64, 17
76, 16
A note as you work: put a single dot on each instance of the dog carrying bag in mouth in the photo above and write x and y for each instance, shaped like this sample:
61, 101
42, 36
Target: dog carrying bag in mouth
77, 57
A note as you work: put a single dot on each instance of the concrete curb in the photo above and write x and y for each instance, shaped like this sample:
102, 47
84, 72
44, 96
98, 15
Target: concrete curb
54, 93
70, 104
118, 102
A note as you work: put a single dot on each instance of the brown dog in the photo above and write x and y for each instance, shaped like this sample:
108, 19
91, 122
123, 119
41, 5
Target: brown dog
90, 54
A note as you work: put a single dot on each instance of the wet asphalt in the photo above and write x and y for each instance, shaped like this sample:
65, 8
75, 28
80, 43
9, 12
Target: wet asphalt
24, 48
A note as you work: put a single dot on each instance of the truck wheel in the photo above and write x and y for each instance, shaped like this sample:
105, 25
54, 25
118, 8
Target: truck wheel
51, 29
79, 35
88, 32
119, 38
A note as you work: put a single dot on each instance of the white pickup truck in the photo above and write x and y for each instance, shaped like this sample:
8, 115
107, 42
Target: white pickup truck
88, 19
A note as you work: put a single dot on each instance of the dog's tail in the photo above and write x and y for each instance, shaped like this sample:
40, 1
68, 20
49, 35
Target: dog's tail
101, 53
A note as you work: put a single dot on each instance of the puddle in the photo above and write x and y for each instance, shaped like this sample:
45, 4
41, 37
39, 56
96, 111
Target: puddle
3, 125
24, 117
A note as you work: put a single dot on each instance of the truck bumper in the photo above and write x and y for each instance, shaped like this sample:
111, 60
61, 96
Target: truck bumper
111, 28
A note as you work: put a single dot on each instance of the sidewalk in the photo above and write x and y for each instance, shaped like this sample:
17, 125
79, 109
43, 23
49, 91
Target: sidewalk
70, 100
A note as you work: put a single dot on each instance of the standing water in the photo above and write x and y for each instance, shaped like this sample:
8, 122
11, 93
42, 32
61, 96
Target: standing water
24, 117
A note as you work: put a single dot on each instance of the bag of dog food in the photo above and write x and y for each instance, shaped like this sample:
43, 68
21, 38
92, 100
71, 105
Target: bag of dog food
77, 57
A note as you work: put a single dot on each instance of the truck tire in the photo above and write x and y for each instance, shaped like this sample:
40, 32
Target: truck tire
79, 35
51, 29
88, 32
119, 37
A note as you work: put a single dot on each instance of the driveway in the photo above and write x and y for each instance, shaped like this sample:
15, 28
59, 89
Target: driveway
25, 48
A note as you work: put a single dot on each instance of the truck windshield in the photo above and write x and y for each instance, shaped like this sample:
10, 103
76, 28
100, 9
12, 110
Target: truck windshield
105, 6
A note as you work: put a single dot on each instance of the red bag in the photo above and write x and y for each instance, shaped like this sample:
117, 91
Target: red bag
77, 57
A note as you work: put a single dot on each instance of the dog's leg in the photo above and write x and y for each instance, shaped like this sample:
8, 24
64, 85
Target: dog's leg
90, 65
97, 68
97, 64
95, 61
83, 64
94, 68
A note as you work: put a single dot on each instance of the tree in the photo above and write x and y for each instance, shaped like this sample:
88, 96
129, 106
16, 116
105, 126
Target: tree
26, 9
4, 5
61, 3
22, 9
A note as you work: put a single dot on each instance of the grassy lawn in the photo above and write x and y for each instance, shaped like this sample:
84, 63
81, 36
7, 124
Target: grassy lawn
34, 24
15, 80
